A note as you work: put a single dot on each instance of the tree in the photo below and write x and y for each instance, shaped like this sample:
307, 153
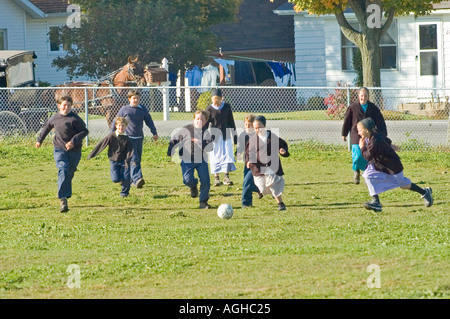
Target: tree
368, 13
112, 30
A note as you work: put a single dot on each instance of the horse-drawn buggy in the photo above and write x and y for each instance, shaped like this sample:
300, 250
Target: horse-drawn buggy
24, 108
21, 107
109, 93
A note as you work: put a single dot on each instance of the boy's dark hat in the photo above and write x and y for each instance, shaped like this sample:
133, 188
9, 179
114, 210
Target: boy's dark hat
216, 92
260, 119
368, 123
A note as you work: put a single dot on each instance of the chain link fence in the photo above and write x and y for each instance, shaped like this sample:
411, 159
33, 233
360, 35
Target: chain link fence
415, 118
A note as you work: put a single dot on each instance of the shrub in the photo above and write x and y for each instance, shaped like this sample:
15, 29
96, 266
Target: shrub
204, 100
337, 103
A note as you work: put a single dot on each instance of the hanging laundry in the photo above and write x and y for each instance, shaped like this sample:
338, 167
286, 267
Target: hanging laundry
243, 74
262, 72
281, 73
293, 77
210, 76
194, 76
225, 64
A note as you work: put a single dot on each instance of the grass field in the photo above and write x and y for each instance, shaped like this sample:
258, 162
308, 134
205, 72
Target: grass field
157, 244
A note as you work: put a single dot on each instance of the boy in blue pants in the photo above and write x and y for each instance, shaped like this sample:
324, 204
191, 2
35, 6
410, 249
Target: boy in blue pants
70, 130
120, 151
136, 115
192, 140
248, 185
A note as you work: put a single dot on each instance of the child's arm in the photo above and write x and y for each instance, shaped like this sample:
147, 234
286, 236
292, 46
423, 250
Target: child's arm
284, 151
82, 130
100, 147
48, 126
149, 122
175, 141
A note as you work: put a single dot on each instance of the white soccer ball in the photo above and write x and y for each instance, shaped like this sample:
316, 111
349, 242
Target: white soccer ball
225, 211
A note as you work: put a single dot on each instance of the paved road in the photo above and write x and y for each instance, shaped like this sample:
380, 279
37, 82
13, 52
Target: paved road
329, 132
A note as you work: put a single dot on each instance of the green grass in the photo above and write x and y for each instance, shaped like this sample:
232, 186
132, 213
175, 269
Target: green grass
157, 244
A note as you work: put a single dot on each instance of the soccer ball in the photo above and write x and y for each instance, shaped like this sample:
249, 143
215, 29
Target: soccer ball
225, 211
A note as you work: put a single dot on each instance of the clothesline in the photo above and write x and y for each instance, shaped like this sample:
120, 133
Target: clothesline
246, 72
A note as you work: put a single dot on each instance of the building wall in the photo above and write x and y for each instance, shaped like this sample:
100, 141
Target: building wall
12, 19
309, 51
38, 40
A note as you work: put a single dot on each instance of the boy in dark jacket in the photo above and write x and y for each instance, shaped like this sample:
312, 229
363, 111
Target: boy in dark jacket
70, 130
384, 170
192, 140
120, 151
248, 185
136, 115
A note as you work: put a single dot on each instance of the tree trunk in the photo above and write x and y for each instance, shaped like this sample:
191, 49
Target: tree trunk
371, 58
367, 40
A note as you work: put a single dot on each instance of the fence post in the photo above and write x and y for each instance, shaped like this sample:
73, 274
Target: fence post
165, 93
448, 129
86, 110
165, 90
349, 146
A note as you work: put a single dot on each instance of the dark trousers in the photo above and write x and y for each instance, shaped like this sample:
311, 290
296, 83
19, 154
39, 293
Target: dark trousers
66, 162
121, 173
203, 174
248, 187
135, 169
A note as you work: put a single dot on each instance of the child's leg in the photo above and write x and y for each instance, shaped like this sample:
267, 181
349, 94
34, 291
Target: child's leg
217, 181
425, 192
187, 169
247, 188
205, 182
67, 163
135, 169
116, 171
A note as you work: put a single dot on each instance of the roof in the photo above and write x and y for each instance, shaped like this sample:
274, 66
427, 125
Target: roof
442, 5
288, 7
257, 28
51, 6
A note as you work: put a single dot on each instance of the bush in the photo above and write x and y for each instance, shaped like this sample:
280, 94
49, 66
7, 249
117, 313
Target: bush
337, 103
204, 100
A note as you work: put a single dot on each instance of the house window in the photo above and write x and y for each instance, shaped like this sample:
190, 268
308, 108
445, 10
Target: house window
3, 45
428, 49
55, 40
388, 47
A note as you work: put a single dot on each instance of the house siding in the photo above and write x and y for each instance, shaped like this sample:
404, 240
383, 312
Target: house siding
38, 41
309, 52
12, 19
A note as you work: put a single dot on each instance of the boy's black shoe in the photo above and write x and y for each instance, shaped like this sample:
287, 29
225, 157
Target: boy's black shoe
260, 195
204, 205
428, 198
64, 206
356, 177
281, 206
246, 206
140, 183
375, 206
217, 182
194, 192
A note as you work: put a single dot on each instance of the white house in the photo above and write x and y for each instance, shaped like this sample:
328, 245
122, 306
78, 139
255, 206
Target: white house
416, 50
28, 25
